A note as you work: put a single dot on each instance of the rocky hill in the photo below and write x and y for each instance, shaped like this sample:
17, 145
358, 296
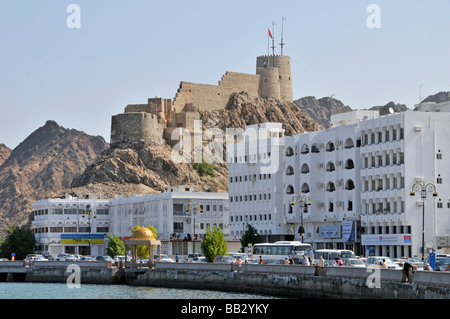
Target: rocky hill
5, 151
322, 109
44, 164
150, 167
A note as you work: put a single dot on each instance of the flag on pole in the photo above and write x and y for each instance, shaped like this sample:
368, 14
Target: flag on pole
270, 34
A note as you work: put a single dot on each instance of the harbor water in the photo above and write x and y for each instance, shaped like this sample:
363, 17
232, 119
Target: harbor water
24, 290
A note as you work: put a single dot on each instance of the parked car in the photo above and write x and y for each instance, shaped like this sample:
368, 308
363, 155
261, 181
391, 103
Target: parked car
86, 258
192, 256
63, 256
121, 258
441, 263
199, 260
35, 257
224, 259
104, 258
164, 258
354, 262
376, 260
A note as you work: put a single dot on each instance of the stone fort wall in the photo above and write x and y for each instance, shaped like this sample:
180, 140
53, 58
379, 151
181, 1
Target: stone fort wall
214, 97
136, 127
156, 120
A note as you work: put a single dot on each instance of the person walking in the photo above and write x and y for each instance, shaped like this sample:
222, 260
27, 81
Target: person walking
407, 273
321, 262
260, 260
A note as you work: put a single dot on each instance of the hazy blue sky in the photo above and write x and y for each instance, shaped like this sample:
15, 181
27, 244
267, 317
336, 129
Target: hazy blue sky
128, 51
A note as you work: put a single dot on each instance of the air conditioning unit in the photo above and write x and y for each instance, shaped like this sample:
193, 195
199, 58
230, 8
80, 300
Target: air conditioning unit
320, 205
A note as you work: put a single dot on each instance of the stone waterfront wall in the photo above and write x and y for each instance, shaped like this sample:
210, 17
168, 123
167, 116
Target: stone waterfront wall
292, 281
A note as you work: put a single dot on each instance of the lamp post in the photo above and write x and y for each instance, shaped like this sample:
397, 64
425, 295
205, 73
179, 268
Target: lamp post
423, 188
303, 200
89, 212
193, 206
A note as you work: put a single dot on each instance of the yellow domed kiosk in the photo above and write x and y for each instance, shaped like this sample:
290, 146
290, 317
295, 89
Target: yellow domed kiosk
142, 236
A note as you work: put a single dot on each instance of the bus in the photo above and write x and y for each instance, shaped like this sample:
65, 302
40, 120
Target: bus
277, 252
333, 254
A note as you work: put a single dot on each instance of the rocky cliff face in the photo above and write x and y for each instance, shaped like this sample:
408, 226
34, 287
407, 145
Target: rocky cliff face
322, 109
41, 166
243, 110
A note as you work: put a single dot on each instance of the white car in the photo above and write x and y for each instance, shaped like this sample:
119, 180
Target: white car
354, 262
377, 260
65, 257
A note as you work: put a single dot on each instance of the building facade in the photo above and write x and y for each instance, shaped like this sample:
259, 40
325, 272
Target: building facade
73, 225
180, 216
359, 175
255, 182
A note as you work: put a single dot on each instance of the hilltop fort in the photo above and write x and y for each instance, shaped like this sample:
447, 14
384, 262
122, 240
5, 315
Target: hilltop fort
159, 117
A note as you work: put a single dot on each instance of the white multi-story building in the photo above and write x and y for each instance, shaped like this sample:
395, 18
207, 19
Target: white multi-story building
65, 225
255, 182
181, 217
358, 175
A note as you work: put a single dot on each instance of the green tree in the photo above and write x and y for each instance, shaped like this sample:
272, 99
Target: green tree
143, 251
19, 240
115, 246
204, 168
213, 244
250, 236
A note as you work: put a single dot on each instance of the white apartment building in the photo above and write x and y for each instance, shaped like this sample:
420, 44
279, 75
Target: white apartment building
60, 227
359, 175
180, 216
255, 182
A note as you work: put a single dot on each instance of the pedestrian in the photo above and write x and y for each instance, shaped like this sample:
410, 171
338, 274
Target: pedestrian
428, 267
321, 262
286, 261
176, 258
407, 273
260, 260
291, 260
340, 263
305, 260
384, 264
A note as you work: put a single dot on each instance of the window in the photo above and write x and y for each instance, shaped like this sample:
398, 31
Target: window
439, 205
439, 156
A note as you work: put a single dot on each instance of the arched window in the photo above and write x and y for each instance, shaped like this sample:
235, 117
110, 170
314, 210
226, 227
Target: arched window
349, 185
330, 147
290, 190
349, 143
305, 169
331, 187
304, 149
289, 170
330, 167
289, 151
305, 188
349, 164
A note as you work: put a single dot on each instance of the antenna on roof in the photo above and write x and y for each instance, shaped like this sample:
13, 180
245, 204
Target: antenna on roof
282, 31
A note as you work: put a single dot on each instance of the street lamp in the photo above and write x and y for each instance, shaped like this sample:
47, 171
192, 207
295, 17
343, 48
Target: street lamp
423, 188
89, 212
194, 206
304, 200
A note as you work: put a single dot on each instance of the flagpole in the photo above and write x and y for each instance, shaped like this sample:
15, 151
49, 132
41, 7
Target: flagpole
268, 48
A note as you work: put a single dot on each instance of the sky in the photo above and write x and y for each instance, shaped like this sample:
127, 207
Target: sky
124, 52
